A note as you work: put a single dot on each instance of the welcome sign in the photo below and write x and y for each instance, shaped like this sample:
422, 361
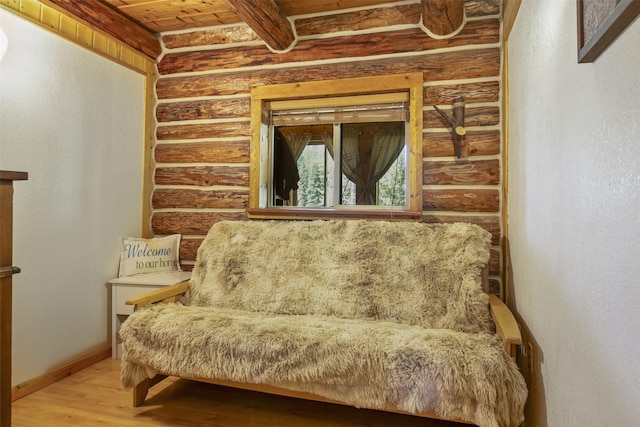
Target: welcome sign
139, 255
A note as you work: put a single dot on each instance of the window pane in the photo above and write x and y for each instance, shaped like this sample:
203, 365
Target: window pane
368, 152
348, 191
312, 187
391, 187
330, 168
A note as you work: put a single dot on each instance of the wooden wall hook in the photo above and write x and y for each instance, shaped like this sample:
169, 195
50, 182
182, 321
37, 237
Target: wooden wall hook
458, 131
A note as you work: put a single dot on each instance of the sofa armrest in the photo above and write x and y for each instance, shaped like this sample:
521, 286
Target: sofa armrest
163, 295
506, 325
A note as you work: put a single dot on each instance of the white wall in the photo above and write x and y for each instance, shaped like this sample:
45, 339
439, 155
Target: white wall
74, 121
574, 215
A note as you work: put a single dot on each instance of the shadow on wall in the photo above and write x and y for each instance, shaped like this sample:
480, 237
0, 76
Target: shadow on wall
529, 359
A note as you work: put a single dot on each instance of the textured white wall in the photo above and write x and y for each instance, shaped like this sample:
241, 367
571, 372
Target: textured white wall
574, 215
74, 121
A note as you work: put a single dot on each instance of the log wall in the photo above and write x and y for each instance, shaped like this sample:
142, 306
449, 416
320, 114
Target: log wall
203, 94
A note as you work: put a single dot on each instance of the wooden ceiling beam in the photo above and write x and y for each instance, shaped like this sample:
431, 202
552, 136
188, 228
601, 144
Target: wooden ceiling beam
267, 20
105, 19
442, 17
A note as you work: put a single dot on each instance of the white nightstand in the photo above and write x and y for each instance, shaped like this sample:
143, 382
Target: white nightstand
124, 288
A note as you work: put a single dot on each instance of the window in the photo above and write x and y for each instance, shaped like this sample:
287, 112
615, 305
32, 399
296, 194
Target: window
316, 169
338, 148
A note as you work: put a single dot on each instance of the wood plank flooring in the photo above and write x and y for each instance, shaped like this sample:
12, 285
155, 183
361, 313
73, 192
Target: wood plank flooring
95, 397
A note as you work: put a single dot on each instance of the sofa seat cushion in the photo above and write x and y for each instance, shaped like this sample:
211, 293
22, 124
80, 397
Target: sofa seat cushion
372, 364
405, 272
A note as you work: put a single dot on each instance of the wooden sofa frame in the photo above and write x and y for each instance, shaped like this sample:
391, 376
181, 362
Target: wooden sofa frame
505, 323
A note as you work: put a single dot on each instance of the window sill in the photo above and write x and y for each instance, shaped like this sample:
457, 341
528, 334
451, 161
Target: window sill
306, 213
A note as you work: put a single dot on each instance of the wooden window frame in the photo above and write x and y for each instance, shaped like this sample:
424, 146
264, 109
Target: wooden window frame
263, 96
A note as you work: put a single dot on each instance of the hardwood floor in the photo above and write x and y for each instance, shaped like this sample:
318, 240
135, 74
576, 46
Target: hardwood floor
95, 397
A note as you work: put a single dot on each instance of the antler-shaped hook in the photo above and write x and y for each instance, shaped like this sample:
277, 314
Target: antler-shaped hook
457, 127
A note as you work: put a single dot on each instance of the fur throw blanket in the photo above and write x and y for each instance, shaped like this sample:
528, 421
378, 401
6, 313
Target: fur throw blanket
376, 315
406, 272
364, 363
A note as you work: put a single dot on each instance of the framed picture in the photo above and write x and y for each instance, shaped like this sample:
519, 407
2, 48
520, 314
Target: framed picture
600, 22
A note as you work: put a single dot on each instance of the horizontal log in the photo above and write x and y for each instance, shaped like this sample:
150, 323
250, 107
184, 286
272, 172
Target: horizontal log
465, 172
208, 130
203, 152
495, 287
359, 20
473, 116
472, 92
413, 40
477, 8
482, 143
189, 248
468, 200
214, 36
435, 66
207, 109
239, 107
319, 7
294, 7
164, 198
203, 176
491, 223
191, 223
494, 262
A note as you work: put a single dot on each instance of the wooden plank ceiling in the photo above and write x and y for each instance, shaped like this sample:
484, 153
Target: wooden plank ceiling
138, 22
168, 15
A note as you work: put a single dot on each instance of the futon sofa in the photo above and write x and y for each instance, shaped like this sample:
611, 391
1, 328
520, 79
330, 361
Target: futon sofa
392, 316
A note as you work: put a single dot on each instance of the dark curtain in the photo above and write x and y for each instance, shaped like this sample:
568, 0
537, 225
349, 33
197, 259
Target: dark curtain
285, 169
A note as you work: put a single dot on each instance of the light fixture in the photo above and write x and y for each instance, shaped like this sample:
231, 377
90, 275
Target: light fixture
3, 44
